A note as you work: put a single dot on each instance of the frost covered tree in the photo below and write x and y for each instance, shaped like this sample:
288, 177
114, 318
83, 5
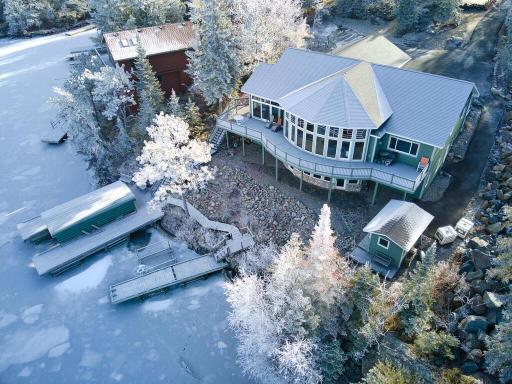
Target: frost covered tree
258, 259
192, 116
502, 263
267, 28
174, 106
149, 92
446, 11
214, 64
357, 9
406, 16
172, 160
114, 15
385, 373
498, 357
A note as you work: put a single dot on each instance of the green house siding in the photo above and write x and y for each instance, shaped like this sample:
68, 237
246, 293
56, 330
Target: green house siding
99, 219
396, 253
371, 147
423, 151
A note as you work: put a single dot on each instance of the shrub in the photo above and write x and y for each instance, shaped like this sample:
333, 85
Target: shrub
386, 373
435, 346
455, 376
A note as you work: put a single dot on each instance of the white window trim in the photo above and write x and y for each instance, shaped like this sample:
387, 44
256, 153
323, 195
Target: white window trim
399, 151
380, 245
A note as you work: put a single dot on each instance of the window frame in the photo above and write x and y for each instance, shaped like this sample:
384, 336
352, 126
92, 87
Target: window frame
412, 143
383, 246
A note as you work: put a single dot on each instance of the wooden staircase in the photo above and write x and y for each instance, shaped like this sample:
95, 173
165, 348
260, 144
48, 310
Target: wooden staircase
216, 138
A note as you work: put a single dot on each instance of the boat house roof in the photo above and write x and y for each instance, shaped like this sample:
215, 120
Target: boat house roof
400, 221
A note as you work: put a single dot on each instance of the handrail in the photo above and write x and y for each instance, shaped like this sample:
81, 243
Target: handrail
353, 172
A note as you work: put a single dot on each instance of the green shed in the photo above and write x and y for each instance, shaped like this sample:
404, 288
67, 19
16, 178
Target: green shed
88, 212
390, 236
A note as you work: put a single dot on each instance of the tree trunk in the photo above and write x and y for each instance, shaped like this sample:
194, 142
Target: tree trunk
185, 205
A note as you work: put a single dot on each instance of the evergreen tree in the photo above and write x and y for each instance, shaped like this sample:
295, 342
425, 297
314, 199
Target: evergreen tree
357, 9
192, 116
406, 16
446, 11
149, 93
214, 63
386, 373
174, 106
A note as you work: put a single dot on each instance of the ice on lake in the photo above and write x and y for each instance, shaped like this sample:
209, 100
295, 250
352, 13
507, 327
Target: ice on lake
63, 329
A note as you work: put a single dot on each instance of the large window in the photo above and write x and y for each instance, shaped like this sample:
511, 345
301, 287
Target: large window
403, 146
265, 109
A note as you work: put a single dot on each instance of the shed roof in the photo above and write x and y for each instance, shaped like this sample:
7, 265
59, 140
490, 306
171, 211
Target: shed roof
400, 221
66, 215
164, 38
375, 49
425, 107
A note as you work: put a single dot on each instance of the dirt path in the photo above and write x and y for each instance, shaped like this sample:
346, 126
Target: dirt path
472, 62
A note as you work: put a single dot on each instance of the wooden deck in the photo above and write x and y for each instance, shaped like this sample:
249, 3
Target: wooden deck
33, 230
62, 257
163, 278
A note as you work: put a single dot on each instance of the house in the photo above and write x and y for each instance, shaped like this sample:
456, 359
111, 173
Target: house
391, 234
374, 49
165, 47
339, 122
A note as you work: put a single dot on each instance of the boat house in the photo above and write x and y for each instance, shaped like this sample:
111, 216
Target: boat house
338, 122
165, 47
391, 234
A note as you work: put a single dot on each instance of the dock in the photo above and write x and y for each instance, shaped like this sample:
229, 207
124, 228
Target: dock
163, 278
63, 256
57, 134
33, 230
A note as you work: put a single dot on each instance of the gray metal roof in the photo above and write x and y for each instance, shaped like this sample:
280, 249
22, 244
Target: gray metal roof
374, 49
74, 211
155, 40
400, 221
425, 107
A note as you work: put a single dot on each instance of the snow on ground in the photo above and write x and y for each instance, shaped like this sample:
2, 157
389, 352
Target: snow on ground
63, 329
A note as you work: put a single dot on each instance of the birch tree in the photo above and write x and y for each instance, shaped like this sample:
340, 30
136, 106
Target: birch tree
214, 64
172, 161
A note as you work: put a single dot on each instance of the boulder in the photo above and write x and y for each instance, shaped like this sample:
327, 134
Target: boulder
478, 242
474, 323
481, 259
492, 300
477, 305
494, 316
475, 355
478, 274
466, 267
494, 228
469, 367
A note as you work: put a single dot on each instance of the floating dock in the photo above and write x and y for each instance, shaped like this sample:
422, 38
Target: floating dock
33, 230
163, 278
61, 257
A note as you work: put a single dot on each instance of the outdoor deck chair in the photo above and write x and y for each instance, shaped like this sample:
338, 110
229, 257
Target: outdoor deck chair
423, 163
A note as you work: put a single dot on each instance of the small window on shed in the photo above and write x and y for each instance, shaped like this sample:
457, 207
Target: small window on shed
384, 243
134, 40
124, 43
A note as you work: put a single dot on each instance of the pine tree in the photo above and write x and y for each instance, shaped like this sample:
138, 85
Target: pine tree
192, 116
357, 9
214, 63
446, 11
406, 16
174, 106
149, 92
386, 373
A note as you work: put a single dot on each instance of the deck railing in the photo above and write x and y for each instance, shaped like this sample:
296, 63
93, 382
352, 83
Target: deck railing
367, 170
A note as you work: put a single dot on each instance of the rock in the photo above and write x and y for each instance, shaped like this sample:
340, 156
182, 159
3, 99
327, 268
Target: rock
481, 260
494, 316
474, 323
469, 367
479, 286
478, 274
492, 300
494, 228
477, 305
500, 195
466, 267
475, 355
477, 242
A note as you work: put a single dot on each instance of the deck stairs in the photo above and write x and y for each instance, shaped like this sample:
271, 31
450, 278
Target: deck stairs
216, 138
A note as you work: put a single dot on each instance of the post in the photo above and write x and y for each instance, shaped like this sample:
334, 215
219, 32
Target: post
262, 154
375, 192
243, 146
277, 166
405, 196
330, 191
227, 140
301, 179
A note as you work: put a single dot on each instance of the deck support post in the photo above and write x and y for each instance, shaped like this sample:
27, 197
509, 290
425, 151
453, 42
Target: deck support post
330, 191
301, 179
375, 189
277, 168
262, 154
243, 146
405, 196
227, 140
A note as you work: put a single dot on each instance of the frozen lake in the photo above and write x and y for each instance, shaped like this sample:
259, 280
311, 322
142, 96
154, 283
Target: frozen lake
64, 329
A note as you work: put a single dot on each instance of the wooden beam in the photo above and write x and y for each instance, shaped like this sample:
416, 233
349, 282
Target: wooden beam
301, 179
262, 154
227, 140
243, 146
277, 169
375, 193
330, 191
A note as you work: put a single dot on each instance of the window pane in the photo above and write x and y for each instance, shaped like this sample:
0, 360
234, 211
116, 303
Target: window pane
265, 111
275, 114
403, 146
345, 148
292, 134
310, 127
361, 134
358, 151
319, 145
300, 123
331, 148
286, 128
414, 149
340, 182
334, 132
292, 118
392, 143
255, 98
299, 137
347, 133
309, 142
320, 129
256, 110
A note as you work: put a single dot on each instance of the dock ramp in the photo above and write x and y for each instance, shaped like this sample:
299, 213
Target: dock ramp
33, 230
160, 279
61, 257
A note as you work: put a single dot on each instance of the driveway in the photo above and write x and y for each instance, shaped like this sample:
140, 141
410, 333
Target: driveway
472, 62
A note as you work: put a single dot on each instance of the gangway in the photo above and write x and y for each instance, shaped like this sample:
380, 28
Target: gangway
63, 256
163, 278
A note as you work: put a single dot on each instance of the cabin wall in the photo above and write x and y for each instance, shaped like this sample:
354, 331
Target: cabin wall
394, 251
